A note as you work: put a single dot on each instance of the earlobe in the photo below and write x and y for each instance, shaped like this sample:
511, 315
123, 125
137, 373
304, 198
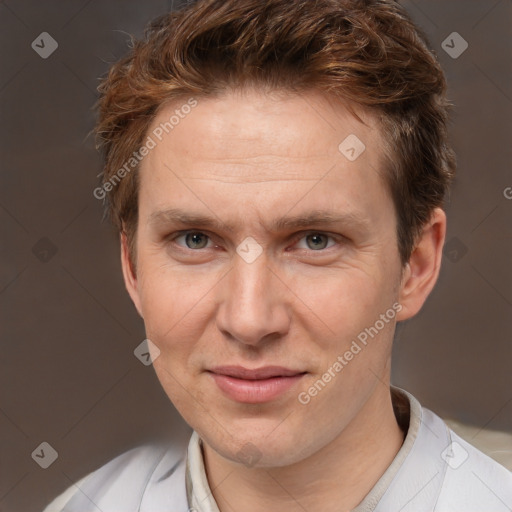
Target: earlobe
129, 275
422, 270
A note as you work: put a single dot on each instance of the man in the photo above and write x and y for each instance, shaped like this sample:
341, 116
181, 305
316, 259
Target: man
276, 170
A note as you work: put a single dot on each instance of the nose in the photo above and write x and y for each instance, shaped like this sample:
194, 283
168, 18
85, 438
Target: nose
254, 307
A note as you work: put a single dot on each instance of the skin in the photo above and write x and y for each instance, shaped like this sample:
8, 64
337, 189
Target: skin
247, 158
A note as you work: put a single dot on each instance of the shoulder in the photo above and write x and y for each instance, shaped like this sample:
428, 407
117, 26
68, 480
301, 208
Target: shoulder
137, 476
441, 472
472, 479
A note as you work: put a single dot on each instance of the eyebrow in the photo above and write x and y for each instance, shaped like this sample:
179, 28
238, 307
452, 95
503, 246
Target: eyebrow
312, 218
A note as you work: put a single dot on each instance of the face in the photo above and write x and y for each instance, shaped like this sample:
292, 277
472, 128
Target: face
264, 248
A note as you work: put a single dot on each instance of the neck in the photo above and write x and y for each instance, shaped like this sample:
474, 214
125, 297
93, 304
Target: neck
335, 478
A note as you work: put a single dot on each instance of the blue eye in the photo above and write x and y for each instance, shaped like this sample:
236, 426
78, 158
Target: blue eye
194, 239
316, 241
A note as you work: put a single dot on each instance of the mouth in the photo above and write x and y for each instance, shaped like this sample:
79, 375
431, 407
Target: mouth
257, 385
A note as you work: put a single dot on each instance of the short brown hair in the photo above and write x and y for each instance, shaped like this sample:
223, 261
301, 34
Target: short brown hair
368, 52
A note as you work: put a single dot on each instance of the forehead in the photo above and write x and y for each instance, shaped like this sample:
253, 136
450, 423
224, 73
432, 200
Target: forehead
260, 148
251, 123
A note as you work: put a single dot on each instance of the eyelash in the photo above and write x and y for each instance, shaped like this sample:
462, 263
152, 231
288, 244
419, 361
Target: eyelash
338, 239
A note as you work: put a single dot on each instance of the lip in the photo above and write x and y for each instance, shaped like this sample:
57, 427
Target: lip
257, 385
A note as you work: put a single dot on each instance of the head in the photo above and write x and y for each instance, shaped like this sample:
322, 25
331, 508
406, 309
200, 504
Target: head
276, 171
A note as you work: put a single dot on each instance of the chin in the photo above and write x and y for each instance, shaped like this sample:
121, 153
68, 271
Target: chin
256, 443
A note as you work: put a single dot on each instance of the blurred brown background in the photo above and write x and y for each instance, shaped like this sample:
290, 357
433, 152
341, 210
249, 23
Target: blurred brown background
68, 373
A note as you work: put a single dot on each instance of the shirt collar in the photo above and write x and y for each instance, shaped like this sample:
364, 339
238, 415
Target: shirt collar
409, 416
199, 495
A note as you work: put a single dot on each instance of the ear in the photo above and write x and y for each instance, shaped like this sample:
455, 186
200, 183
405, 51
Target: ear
129, 275
422, 270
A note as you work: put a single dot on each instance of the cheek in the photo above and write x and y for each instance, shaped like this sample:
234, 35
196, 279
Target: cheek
176, 310
343, 301
170, 296
176, 307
